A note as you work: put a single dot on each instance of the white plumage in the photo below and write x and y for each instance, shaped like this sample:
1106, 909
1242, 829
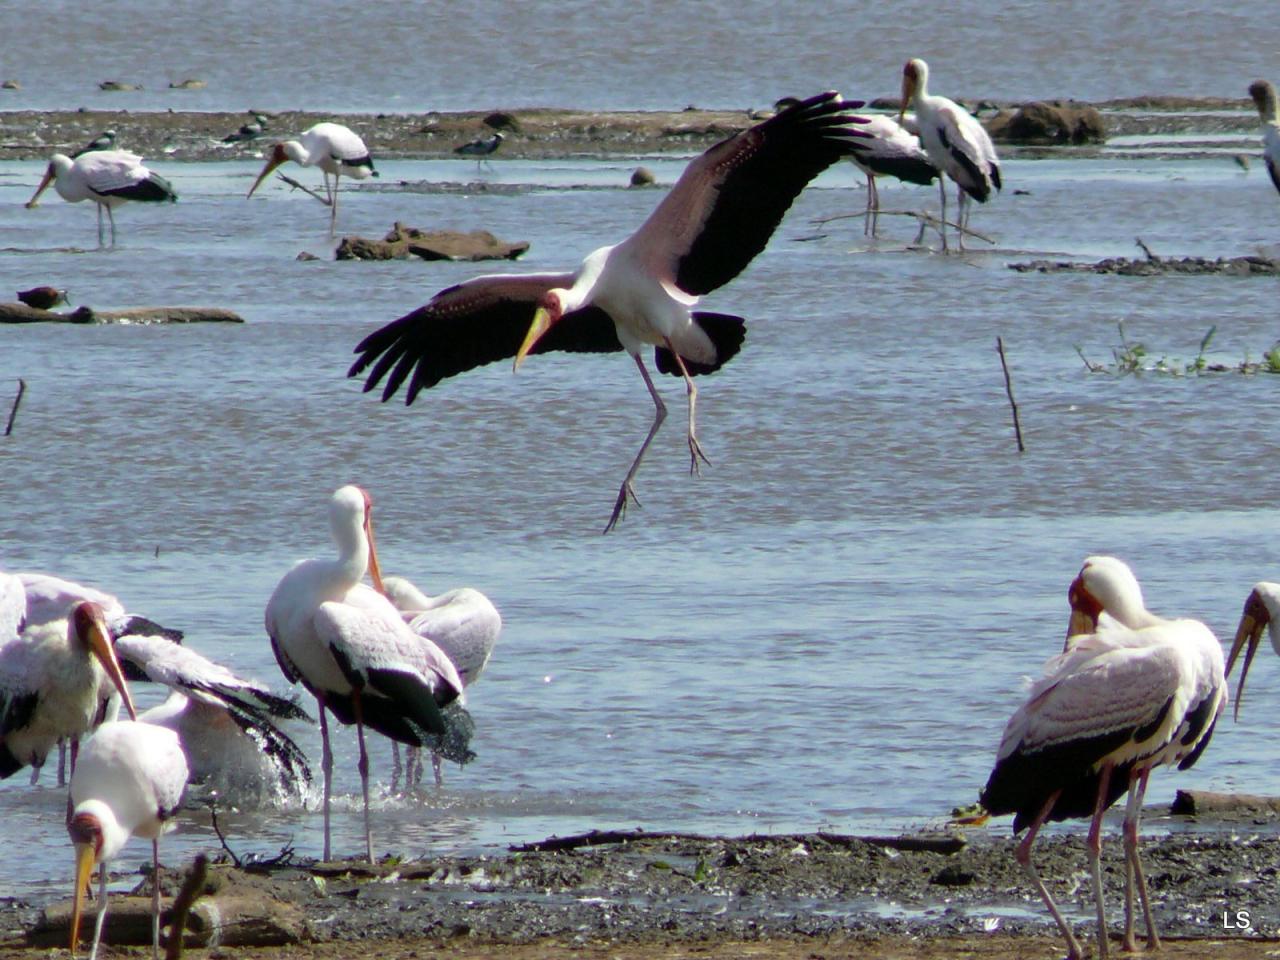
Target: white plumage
639, 293
108, 178
892, 149
1135, 692
955, 142
13, 607
128, 782
1264, 98
1261, 609
349, 646
337, 150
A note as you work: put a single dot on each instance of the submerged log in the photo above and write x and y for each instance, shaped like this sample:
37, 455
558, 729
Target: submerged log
238, 921
1208, 803
21, 313
403, 242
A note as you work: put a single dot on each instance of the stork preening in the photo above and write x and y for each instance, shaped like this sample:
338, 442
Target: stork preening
636, 294
465, 625
347, 644
892, 150
1261, 610
227, 725
108, 178
1264, 98
337, 150
1131, 691
128, 783
955, 141
52, 681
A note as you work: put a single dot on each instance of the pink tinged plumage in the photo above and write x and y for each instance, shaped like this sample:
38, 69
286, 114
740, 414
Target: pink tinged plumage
337, 150
891, 150
1136, 692
108, 178
639, 293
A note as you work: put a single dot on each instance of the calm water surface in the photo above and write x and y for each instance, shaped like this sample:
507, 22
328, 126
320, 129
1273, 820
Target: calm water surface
827, 629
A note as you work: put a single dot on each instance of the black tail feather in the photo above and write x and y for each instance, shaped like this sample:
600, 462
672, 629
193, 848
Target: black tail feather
727, 334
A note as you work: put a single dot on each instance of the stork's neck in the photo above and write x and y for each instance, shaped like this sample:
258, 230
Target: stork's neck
1128, 609
353, 552
586, 281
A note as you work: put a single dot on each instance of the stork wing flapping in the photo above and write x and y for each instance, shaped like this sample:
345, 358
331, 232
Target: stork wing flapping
470, 324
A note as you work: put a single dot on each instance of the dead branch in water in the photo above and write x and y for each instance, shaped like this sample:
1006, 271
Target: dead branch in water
192, 887
925, 220
13, 411
946, 844
1008, 389
297, 186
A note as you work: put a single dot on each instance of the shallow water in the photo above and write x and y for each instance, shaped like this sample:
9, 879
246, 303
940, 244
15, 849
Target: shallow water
826, 630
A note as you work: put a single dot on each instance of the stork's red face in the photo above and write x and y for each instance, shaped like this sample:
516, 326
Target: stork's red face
1255, 617
50, 174
90, 626
1085, 608
550, 310
278, 156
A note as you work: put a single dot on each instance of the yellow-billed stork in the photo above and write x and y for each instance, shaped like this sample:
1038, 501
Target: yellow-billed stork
337, 150
349, 646
1261, 609
639, 293
1264, 98
108, 178
128, 783
1135, 692
955, 141
892, 150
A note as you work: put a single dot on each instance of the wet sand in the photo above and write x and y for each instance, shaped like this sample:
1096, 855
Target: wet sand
541, 133
659, 896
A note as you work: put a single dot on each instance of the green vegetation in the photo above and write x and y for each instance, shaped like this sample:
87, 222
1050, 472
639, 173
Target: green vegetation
1134, 357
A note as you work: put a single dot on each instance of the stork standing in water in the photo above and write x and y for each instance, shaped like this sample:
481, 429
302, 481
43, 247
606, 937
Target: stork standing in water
892, 150
1264, 98
347, 644
108, 178
636, 294
51, 682
1135, 692
955, 141
337, 150
129, 782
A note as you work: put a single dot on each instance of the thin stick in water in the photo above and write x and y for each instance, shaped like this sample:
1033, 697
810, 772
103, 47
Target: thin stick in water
1008, 389
192, 887
13, 411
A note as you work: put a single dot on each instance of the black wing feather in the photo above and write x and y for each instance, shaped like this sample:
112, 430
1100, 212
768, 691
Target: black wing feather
154, 189
726, 332
767, 167
457, 332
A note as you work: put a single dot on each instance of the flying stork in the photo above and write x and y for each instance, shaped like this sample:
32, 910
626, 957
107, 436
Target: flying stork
636, 294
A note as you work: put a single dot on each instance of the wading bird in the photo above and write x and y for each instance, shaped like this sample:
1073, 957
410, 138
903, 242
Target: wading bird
1261, 609
465, 625
1134, 692
129, 782
227, 725
640, 292
52, 681
892, 150
106, 140
347, 644
108, 178
955, 141
1264, 98
480, 148
337, 150
43, 298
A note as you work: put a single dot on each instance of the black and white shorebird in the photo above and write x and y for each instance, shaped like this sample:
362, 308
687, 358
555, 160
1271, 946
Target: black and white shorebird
1130, 692
107, 177
1264, 98
481, 148
956, 142
248, 131
106, 140
337, 150
639, 293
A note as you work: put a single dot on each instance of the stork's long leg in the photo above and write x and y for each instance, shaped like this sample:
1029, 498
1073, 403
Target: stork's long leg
326, 767
695, 448
396, 768
1132, 817
363, 766
660, 413
155, 900
873, 206
962, 219
111, 219
101, 236
1023, 856
942, 192
1094, 846
333, 204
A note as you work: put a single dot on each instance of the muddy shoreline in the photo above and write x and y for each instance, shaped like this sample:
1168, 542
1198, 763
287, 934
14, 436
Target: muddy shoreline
538, 133
662, 894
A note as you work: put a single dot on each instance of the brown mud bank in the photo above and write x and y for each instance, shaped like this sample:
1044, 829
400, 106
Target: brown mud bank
532, 133
675, 895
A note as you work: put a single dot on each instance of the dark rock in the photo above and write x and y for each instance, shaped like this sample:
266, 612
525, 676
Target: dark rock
403, 242
118, 86
1049, 122
642, 177
501, 120
10, 85
1224, 805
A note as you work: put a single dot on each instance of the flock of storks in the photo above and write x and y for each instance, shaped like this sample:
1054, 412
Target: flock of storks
1130, 691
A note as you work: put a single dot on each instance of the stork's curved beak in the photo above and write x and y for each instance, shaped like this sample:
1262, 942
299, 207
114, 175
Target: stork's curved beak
85, 857
375, 569
541, 324
1249, 632
274, 161
44, 185
908, 93
97, 637
1085, 611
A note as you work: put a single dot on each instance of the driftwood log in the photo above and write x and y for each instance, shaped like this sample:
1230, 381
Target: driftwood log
231, 921
21, 313
402, 242
1208, 803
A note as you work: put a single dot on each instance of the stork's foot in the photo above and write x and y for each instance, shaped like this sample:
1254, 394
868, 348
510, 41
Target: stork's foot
695, 454
1130, 945
625, 492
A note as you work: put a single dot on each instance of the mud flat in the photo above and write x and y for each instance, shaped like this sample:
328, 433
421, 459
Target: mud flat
675, 895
